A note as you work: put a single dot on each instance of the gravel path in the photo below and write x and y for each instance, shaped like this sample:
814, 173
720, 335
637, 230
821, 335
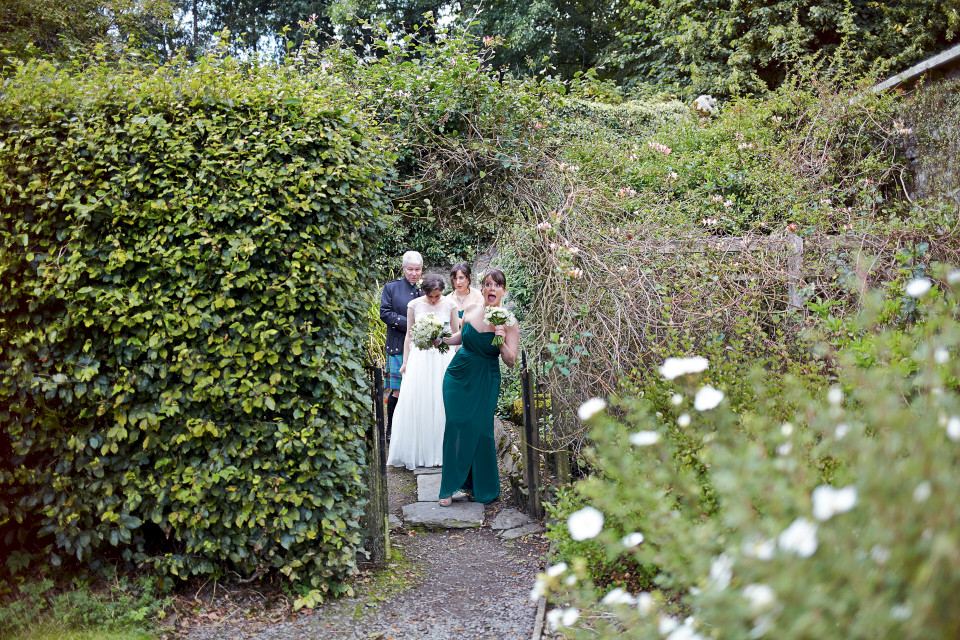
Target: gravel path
465, 583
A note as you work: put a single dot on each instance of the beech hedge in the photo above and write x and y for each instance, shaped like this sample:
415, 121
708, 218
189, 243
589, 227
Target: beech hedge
181, 330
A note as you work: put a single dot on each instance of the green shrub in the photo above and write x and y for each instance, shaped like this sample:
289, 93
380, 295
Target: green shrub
838, 523
183, 251
132, 606
603, 567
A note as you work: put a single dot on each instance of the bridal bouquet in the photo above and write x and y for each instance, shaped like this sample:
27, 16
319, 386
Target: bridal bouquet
426, 330
499, 316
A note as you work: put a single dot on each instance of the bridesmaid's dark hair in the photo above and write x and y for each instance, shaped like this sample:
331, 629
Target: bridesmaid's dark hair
497, 277
460, 267
431, 282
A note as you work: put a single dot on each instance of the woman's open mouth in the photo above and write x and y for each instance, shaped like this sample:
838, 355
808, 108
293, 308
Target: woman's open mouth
491, 297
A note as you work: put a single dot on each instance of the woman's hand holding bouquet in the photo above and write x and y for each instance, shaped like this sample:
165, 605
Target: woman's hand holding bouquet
428, 332
499, 317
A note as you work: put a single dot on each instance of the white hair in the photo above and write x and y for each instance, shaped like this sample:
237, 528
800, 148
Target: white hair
412, 258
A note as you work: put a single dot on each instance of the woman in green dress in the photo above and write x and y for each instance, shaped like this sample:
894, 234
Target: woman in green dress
471, 387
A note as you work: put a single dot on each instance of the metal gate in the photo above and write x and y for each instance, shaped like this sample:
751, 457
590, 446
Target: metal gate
375, 518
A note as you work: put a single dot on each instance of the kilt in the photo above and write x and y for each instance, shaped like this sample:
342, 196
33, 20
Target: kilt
392, 377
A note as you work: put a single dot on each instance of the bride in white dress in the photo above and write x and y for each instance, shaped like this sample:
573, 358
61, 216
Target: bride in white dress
419, 419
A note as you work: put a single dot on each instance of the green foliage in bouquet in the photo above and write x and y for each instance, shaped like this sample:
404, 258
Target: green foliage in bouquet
181, 358
839, 522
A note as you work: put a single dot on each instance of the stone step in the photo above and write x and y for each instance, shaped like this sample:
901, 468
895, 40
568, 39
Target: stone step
524, 530
510, 519
428, 488
422, 470
459, 515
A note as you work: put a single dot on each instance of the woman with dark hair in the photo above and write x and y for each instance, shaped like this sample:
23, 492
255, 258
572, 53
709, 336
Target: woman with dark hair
463, 295
419, 418
471, 387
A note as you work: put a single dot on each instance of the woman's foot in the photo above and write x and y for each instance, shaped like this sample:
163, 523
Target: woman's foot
446, 502
460, 496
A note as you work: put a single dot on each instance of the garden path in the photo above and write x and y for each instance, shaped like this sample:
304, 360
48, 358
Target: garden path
443, 583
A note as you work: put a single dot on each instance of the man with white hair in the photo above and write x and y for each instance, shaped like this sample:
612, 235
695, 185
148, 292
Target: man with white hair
396, 295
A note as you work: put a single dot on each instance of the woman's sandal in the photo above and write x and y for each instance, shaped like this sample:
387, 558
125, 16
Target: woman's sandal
446, 502
460, 496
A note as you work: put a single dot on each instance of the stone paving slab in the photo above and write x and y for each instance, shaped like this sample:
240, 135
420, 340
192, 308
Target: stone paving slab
422, 470
459, 515
428, 488
509, 519
525, 530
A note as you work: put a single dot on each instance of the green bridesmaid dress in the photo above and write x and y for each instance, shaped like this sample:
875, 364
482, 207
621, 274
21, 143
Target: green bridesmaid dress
471, 387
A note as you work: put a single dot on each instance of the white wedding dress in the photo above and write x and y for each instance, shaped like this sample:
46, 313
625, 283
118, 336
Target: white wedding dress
419, 419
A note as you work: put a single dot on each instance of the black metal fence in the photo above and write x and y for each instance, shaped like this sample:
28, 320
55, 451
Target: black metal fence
544, 464
375, 517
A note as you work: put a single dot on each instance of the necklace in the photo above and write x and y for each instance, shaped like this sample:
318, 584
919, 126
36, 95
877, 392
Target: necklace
461, 299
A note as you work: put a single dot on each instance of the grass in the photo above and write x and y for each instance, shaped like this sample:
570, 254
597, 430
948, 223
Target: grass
51, 631
399, 575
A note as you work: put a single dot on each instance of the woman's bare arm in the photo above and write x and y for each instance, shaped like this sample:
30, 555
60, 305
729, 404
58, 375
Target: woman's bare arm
511, 343
406, 340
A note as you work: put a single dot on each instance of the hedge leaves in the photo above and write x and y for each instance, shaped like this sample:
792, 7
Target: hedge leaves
181, 335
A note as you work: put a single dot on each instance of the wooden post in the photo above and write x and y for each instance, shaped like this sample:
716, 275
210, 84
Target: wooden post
794, 271
531, 441
563, 466
376, 514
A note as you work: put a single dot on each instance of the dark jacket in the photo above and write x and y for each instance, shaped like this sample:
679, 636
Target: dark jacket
393, 311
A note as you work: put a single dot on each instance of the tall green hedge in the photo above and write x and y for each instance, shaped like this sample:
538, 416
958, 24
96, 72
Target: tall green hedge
181, 335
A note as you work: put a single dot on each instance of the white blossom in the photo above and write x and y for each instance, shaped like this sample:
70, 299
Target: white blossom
539, 590
667, 624
644, 603
880, 554
842, 430
721, 571
631, 539
761, 626
676, 399
761, 596
953, 278
918, 287
799, 538
901, 611
828, 502
835, 396
571, 580
759, 548
684, 631
571, 615
585, 524
557, 618
941, 355
618, 596
784, 449
553, 618
684, 420
644, 438
953, 428
590, 408
707, 398
557, 569
786, 429
922, 492
676, 367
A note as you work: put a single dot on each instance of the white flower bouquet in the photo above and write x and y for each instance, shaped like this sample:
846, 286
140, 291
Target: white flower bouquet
426, 330
499, 316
